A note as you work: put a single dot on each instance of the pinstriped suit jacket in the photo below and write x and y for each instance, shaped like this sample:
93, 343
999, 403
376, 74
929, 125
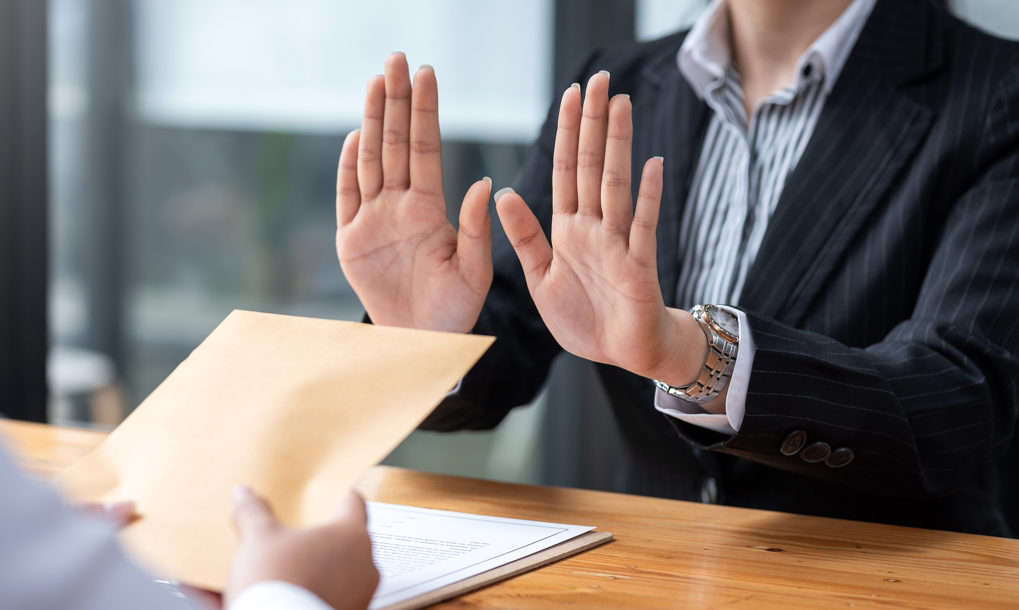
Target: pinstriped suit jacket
884, 300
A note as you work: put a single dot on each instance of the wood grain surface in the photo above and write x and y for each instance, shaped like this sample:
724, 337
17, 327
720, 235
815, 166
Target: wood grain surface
669, 554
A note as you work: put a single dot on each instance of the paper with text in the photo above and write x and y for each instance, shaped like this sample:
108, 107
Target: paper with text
418, 550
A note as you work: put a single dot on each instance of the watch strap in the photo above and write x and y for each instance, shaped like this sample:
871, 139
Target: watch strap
717, 368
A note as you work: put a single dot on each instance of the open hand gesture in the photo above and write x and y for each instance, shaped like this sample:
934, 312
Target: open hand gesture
596, 287
405, 261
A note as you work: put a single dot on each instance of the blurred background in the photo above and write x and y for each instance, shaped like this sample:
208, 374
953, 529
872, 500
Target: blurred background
185, 167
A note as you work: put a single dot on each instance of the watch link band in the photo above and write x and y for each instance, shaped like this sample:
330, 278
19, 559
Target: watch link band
722, 331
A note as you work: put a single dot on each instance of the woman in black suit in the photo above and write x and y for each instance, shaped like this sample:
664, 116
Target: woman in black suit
865, 275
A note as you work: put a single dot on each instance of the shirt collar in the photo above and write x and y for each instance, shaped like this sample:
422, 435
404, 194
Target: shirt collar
706, 54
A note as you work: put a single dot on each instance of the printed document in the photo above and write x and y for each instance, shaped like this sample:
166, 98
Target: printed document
418, 550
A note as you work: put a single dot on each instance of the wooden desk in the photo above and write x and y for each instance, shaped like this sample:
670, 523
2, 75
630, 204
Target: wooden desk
670, 554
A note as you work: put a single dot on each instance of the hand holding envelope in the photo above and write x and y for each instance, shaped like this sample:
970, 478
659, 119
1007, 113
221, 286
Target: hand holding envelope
295, 408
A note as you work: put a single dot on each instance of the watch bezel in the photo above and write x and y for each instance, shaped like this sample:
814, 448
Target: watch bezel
710, 321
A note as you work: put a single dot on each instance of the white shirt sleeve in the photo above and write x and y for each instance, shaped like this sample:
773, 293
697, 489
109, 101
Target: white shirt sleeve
54, 559
456, 388
278, 595
735, 403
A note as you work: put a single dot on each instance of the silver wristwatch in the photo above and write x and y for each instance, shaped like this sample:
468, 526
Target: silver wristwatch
722, 330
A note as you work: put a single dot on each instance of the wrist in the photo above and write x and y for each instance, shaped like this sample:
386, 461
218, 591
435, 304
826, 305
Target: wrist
684, 349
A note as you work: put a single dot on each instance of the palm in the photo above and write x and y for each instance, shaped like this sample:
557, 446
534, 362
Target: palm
404, 259
596, 287
614, 300
401, 252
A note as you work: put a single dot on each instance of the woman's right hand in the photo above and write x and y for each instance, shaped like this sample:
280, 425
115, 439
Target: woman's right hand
397, 248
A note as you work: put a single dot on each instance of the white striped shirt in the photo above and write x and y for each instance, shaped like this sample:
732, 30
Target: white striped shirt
742, 169
737, 184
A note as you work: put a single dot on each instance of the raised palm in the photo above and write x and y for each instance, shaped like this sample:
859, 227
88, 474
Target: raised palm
403, 258
596, 286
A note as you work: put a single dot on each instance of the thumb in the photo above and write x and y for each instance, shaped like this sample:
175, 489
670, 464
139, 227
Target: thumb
474, 239
251, 514
525, 234
352, 510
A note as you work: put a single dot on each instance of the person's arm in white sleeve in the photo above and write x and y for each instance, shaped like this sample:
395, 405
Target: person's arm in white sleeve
735, 401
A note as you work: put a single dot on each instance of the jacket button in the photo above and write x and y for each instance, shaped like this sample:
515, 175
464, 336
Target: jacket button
839, 458
793, 443
815, 452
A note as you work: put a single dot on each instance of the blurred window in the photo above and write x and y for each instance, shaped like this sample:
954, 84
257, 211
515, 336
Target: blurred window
657, 18
192, 167
999, 17
194, 146
302, 65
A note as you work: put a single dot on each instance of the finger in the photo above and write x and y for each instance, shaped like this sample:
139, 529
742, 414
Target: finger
564, 158
616, 199
643, 244
525, 234
251, 514
120, 513
474, 239
369, 150
425, 141
352, 510
348, 193
591, 147
396, 124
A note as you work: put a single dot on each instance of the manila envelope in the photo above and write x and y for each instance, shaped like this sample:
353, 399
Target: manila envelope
294, 407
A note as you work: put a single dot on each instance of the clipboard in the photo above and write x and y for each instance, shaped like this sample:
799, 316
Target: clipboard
566, 549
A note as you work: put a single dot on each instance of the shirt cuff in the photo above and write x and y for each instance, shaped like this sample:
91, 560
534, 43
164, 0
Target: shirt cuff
278, 595
735, 403
456, 388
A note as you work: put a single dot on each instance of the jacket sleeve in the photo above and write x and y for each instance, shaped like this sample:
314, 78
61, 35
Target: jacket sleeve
513, 370
934, 403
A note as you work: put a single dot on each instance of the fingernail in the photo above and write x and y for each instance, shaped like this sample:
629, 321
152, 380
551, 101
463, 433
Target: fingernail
575, 86
426, 67
662, 159
241, 493
398, 53
489, 181
626, 95
502, 192
605, 72
121, 512
119, 505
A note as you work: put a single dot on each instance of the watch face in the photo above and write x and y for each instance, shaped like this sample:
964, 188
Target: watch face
725, 321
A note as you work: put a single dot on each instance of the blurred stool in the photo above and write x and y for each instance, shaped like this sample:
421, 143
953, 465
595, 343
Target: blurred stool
83, 388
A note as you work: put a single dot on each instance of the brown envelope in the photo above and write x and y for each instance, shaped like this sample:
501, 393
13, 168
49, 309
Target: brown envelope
296, 408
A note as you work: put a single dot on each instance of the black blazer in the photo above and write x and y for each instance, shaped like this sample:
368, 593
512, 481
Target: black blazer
884, 300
